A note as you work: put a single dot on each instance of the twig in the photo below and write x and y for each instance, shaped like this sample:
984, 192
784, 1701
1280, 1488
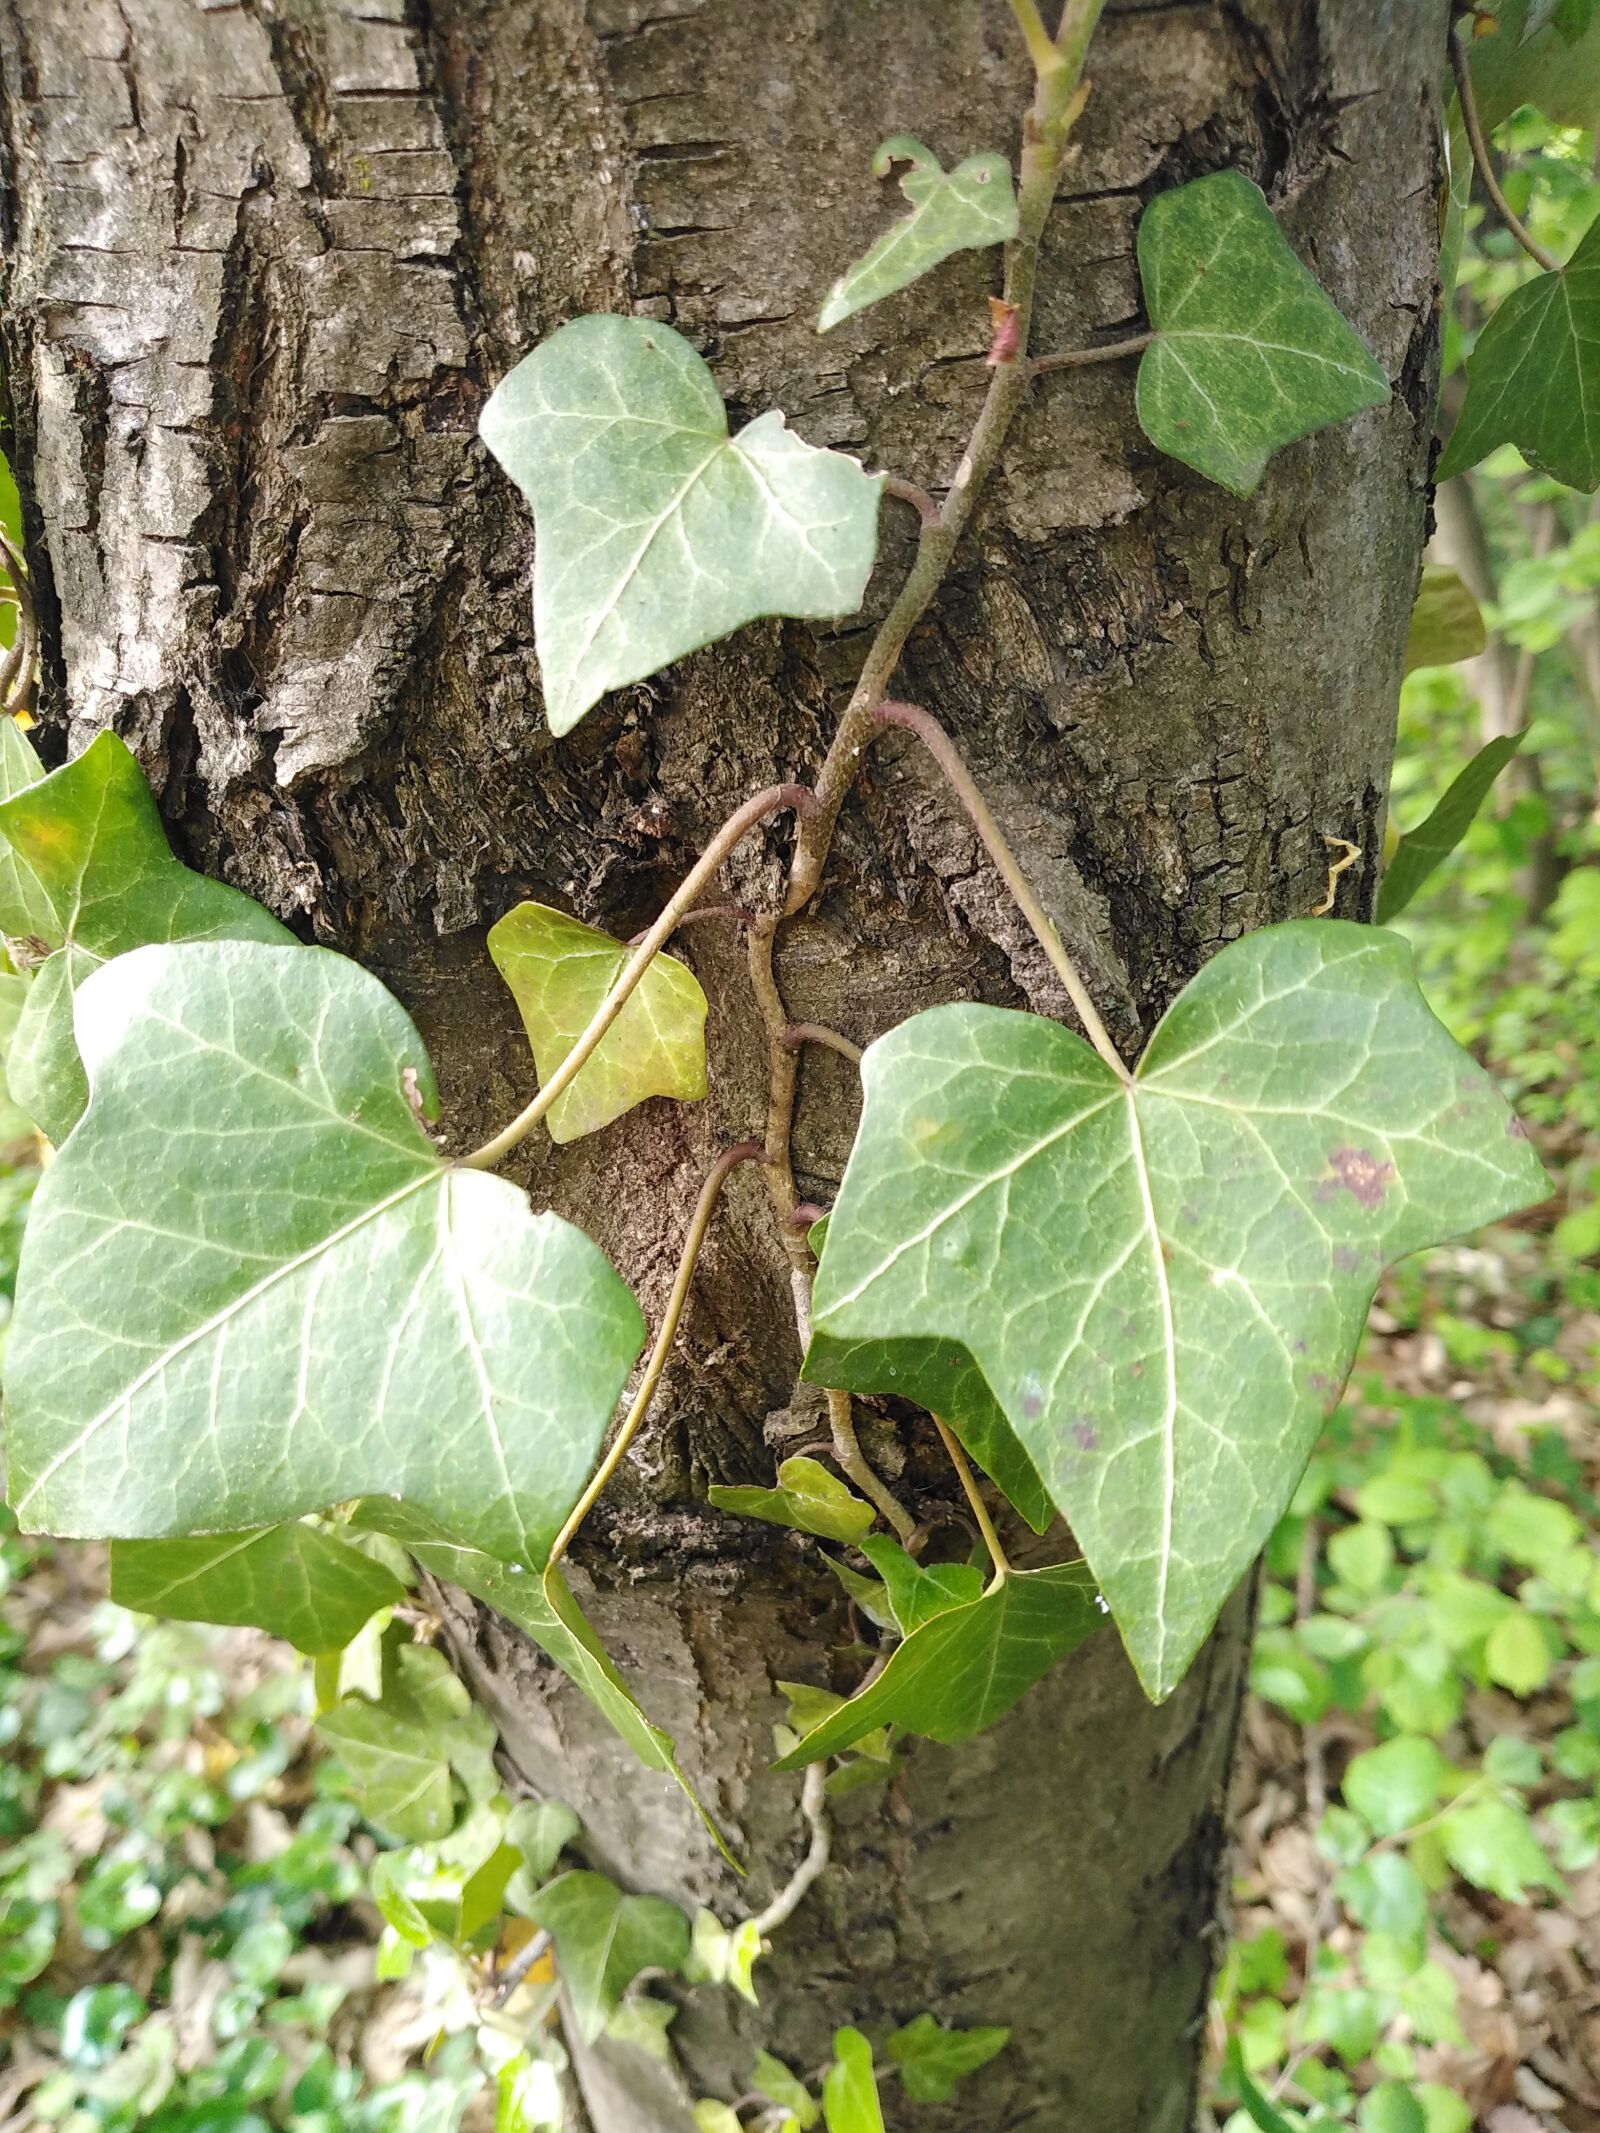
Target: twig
695, 1236
737, 826
797, 1033
980, 1510
519, 1966
1081, 358
814, 1806
853, 1463
737, 912
960, 780
1461, 66
909, 493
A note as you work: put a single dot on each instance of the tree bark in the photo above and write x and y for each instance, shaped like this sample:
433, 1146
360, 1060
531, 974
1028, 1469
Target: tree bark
263, 261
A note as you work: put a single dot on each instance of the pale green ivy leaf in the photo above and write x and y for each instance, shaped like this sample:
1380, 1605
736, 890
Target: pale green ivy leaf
807, 1497
643, 2022
956, 210
1162, 1283
966, 1666
540, 1830
250, 1288
294, 1581
1533, 379
91, 876
559, 971
850, 2088
1421, 850
1447, 623
773, 2080
919, 1591
603, 1939
1249, 352
400, 1753
15, 1123
27, 909
724, 1955
932, 2059
656, 531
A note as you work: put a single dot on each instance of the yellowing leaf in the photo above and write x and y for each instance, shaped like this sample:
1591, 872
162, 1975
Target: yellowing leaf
559, 971
1446, 621
807, 1497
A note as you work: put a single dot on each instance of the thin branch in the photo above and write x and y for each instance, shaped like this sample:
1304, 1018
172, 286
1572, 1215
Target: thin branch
980, 1510
1081, 358
511, 1976
814, 1806
797, 1033
853, 1463
694, 1238
737, 826
737, 912
945, 753
909, 493
1461, 66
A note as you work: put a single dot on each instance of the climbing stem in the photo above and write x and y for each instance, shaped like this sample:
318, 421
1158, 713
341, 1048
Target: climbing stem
960, 780
1461, 66
1041, 45
1081, 358
814, 1806
980, 1510
699, 1223
853, 1463
737, 826
797, 1033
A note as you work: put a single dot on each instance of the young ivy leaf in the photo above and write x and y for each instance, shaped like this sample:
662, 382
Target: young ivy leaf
1446, 621
932, 2059
1533, 379
280, 1297
964, 1667
850, 2087
1162, 1284
90, 875
294, 1581
1249, 352
917, 1592
956, 210
656, 531
1426, 847
773, 2080
604, 1939
401, 1752
559, 971
807, 1497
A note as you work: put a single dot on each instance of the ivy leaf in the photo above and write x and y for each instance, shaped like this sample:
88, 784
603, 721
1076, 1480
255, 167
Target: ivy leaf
932, 2059
401, 1752
1541, 55
1261, 2113
807, 1497
293, 1581
658, 532
1446, 621
850, 2089
1249, 352
1492, 1844
1162, 1283
250, 1288
544, 1609
15, 1124
918, 1592
604, 1939
1422, 850
559, 972
90, 875
1533, 379
27, 911
966, 1666
956, 210
773, 2080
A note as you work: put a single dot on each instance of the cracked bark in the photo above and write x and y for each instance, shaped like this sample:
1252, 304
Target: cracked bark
263, 260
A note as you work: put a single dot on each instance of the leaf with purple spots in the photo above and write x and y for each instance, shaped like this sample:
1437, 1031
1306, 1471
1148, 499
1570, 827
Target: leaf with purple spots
1150, 1293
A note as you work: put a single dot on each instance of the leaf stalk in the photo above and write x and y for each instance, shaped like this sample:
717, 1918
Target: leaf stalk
1461, 67
980, 1510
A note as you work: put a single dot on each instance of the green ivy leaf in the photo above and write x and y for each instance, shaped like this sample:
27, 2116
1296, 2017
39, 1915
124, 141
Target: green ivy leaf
1447, 623
932, 2059
966, 1666
773, 2080
401, 1752
850, 2089
723, 1955
807, 1497
91, 876
1162, 1284
643, 2022
1422, 850
917, 1591
1261, 2114
603, 1939
658, 532
1249, 352
279, 1296
1533, 379
15, 1124
1542, 56
540, 1830
1571, 18
1492, 1843
27, 910
293, 1581
559, 972
956, 210
1397, 1785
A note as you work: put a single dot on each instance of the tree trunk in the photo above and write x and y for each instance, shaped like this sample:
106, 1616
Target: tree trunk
264, 260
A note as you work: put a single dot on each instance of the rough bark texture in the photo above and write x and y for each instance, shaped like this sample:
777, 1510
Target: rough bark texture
264, 259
